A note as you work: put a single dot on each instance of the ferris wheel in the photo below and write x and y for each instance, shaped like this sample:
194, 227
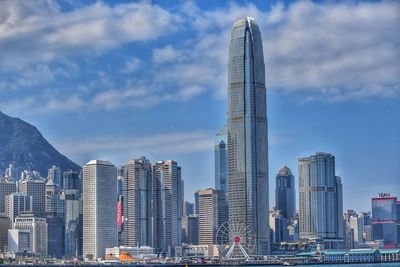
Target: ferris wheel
235, 240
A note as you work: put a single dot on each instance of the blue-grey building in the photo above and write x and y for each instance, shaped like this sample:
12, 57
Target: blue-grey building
221, 166
247, 131
285, 193
320, 200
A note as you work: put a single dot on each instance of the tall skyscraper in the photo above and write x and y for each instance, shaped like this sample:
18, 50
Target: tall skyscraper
221, 164
320, 199
138, 204
73, 223
247, 131
99, 208
386, 220
167, 176
212, 214
36, 189
285, 194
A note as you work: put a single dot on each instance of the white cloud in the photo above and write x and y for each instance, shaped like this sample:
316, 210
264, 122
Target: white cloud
45, 104
329, 51
121, 148
131, 65
43, 33
167, 54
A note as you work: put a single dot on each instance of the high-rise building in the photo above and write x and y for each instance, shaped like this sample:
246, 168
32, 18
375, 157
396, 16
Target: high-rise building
37, 228
73, 223
71, 180
18, 203
212, 214
55, 200
4, 226
196, 202
247, 132
55, 235
6, 187
278, 226
221, 164
320, 200
385, 220
138, 209
11, 172
190, 229
54, 173
357, 224
285, 194
36, 189
188, 208
167, 176
99, 208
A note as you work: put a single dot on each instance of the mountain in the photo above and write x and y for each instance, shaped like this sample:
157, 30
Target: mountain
24, 146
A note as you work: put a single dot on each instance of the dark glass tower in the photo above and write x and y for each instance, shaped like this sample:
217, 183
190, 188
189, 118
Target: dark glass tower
285, 194
221, 168
247, 131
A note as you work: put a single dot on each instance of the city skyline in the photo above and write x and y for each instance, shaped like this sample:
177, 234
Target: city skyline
356, 125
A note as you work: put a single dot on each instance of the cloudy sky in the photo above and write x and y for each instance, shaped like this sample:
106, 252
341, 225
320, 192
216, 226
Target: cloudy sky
118, 80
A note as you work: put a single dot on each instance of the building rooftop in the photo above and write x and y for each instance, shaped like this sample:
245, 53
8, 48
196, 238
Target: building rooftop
285, 171
99, 162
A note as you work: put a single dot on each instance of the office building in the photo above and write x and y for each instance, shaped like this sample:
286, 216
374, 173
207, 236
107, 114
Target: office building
55, 200
11, 173
6, 187
357, 224
99, 208
212, 214
73, 224
54, 174
196, 202
285, 194
247, 131
71, 180
18, 203
55, 235
385, 220
139, 212
221, 160
190, 229
188, 208
320, 200
37, 228
167, 176
4, 226
278, 226
36, 189
19, 241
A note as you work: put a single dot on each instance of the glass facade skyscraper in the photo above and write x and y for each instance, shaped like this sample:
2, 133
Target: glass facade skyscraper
285, 194
247, 131
221, 167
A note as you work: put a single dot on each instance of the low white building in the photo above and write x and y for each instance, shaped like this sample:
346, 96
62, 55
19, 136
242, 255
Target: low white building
202, 251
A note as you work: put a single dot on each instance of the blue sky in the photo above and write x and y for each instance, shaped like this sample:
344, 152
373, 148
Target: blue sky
118, 80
